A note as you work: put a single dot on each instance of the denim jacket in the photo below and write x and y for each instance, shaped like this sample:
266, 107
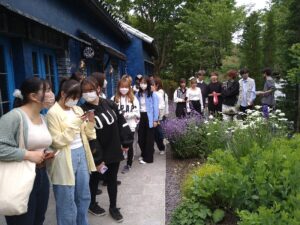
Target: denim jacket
151, 108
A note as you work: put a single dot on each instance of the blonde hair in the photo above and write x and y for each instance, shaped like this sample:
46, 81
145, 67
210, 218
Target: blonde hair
126, 76
130, 95
193, 81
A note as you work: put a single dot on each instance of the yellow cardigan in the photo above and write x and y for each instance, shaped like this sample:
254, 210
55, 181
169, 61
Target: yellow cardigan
60, 169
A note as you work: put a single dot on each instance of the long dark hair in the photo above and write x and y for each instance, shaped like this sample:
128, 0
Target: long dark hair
158, 83
100, 77
148, 90
91, 81
70, 87
29, 86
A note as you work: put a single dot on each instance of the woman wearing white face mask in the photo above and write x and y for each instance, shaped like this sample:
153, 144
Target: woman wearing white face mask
71, 130
113, 138
129, 106
148, 101
101, 80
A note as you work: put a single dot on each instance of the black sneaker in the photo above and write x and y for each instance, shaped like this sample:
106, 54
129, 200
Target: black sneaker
116, 215
126, 169
99, 192
105, 183
96, 210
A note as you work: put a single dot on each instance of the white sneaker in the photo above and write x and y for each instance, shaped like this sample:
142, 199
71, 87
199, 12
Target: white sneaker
162, 152
140, 158
142, 162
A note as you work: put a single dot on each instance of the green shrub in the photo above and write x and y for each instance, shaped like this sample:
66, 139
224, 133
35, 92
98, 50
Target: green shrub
191, 144
199, 172
264, 180
194, 213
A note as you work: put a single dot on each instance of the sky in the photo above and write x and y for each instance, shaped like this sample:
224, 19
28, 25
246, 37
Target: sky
255, 5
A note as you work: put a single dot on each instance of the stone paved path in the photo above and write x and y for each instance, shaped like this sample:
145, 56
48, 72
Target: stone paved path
141, 197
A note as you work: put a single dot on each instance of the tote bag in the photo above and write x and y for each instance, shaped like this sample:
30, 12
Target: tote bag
16, 183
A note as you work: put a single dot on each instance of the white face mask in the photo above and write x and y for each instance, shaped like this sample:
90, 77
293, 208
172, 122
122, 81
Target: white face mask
124, 91
143, 86
49, 100
71, 103
104, 83
90, 96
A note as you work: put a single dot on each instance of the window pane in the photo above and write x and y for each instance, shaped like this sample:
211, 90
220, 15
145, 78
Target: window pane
2, 63
4, 104
3, 87
35, 64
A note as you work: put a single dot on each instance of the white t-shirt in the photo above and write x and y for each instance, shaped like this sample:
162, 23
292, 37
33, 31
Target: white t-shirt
77, 142
194, 95
131, 111
143, 103
162, 103
39, 137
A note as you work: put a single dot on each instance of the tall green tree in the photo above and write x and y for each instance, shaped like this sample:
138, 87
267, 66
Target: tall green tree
293, 40
204, 35
251, 46
269, 41
120, 8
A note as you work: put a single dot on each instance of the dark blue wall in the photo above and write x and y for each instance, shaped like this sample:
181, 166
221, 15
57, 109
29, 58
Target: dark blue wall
68, 16
135, 57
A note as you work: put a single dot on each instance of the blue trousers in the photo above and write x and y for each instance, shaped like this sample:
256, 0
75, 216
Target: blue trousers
72, 202
37, 204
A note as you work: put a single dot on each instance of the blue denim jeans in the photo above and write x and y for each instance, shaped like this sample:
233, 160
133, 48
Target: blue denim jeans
37, 204
72, 202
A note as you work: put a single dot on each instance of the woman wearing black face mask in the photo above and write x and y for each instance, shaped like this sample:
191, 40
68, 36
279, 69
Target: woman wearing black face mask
113, 138
28, 104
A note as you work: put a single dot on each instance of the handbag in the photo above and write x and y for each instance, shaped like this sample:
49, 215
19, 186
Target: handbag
17, 179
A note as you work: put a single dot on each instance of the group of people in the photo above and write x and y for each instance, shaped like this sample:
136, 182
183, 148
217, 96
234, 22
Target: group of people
80, 139
227, 98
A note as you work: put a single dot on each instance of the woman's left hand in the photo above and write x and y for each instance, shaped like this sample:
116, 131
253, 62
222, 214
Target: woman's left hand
91, 116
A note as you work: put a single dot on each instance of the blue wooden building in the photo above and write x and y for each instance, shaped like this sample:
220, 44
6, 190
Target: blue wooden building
141, 52
53, 38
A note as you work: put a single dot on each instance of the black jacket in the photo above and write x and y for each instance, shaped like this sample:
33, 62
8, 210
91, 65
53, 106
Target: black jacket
230, 92
204, 90
112, 132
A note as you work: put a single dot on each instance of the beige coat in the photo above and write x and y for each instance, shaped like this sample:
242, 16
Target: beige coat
60, 168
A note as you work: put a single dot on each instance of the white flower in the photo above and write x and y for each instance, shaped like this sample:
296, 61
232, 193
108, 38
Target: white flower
257, 107
208, 134
211, 117
214, 122
248, 111
206, 122
278, 111
283, 119
256, 113
226, 132
281, 114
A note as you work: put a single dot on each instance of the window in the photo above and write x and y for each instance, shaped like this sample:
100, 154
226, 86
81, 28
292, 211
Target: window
4, 98
35, 64
44, 65
49, 69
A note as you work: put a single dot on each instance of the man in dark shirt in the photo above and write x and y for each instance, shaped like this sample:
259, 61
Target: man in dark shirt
230, 92
268, 94
202, 85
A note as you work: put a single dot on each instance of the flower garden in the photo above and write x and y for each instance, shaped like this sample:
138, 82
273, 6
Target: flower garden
250, 174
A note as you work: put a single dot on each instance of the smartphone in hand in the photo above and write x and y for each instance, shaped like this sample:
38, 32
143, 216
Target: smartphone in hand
103, 169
